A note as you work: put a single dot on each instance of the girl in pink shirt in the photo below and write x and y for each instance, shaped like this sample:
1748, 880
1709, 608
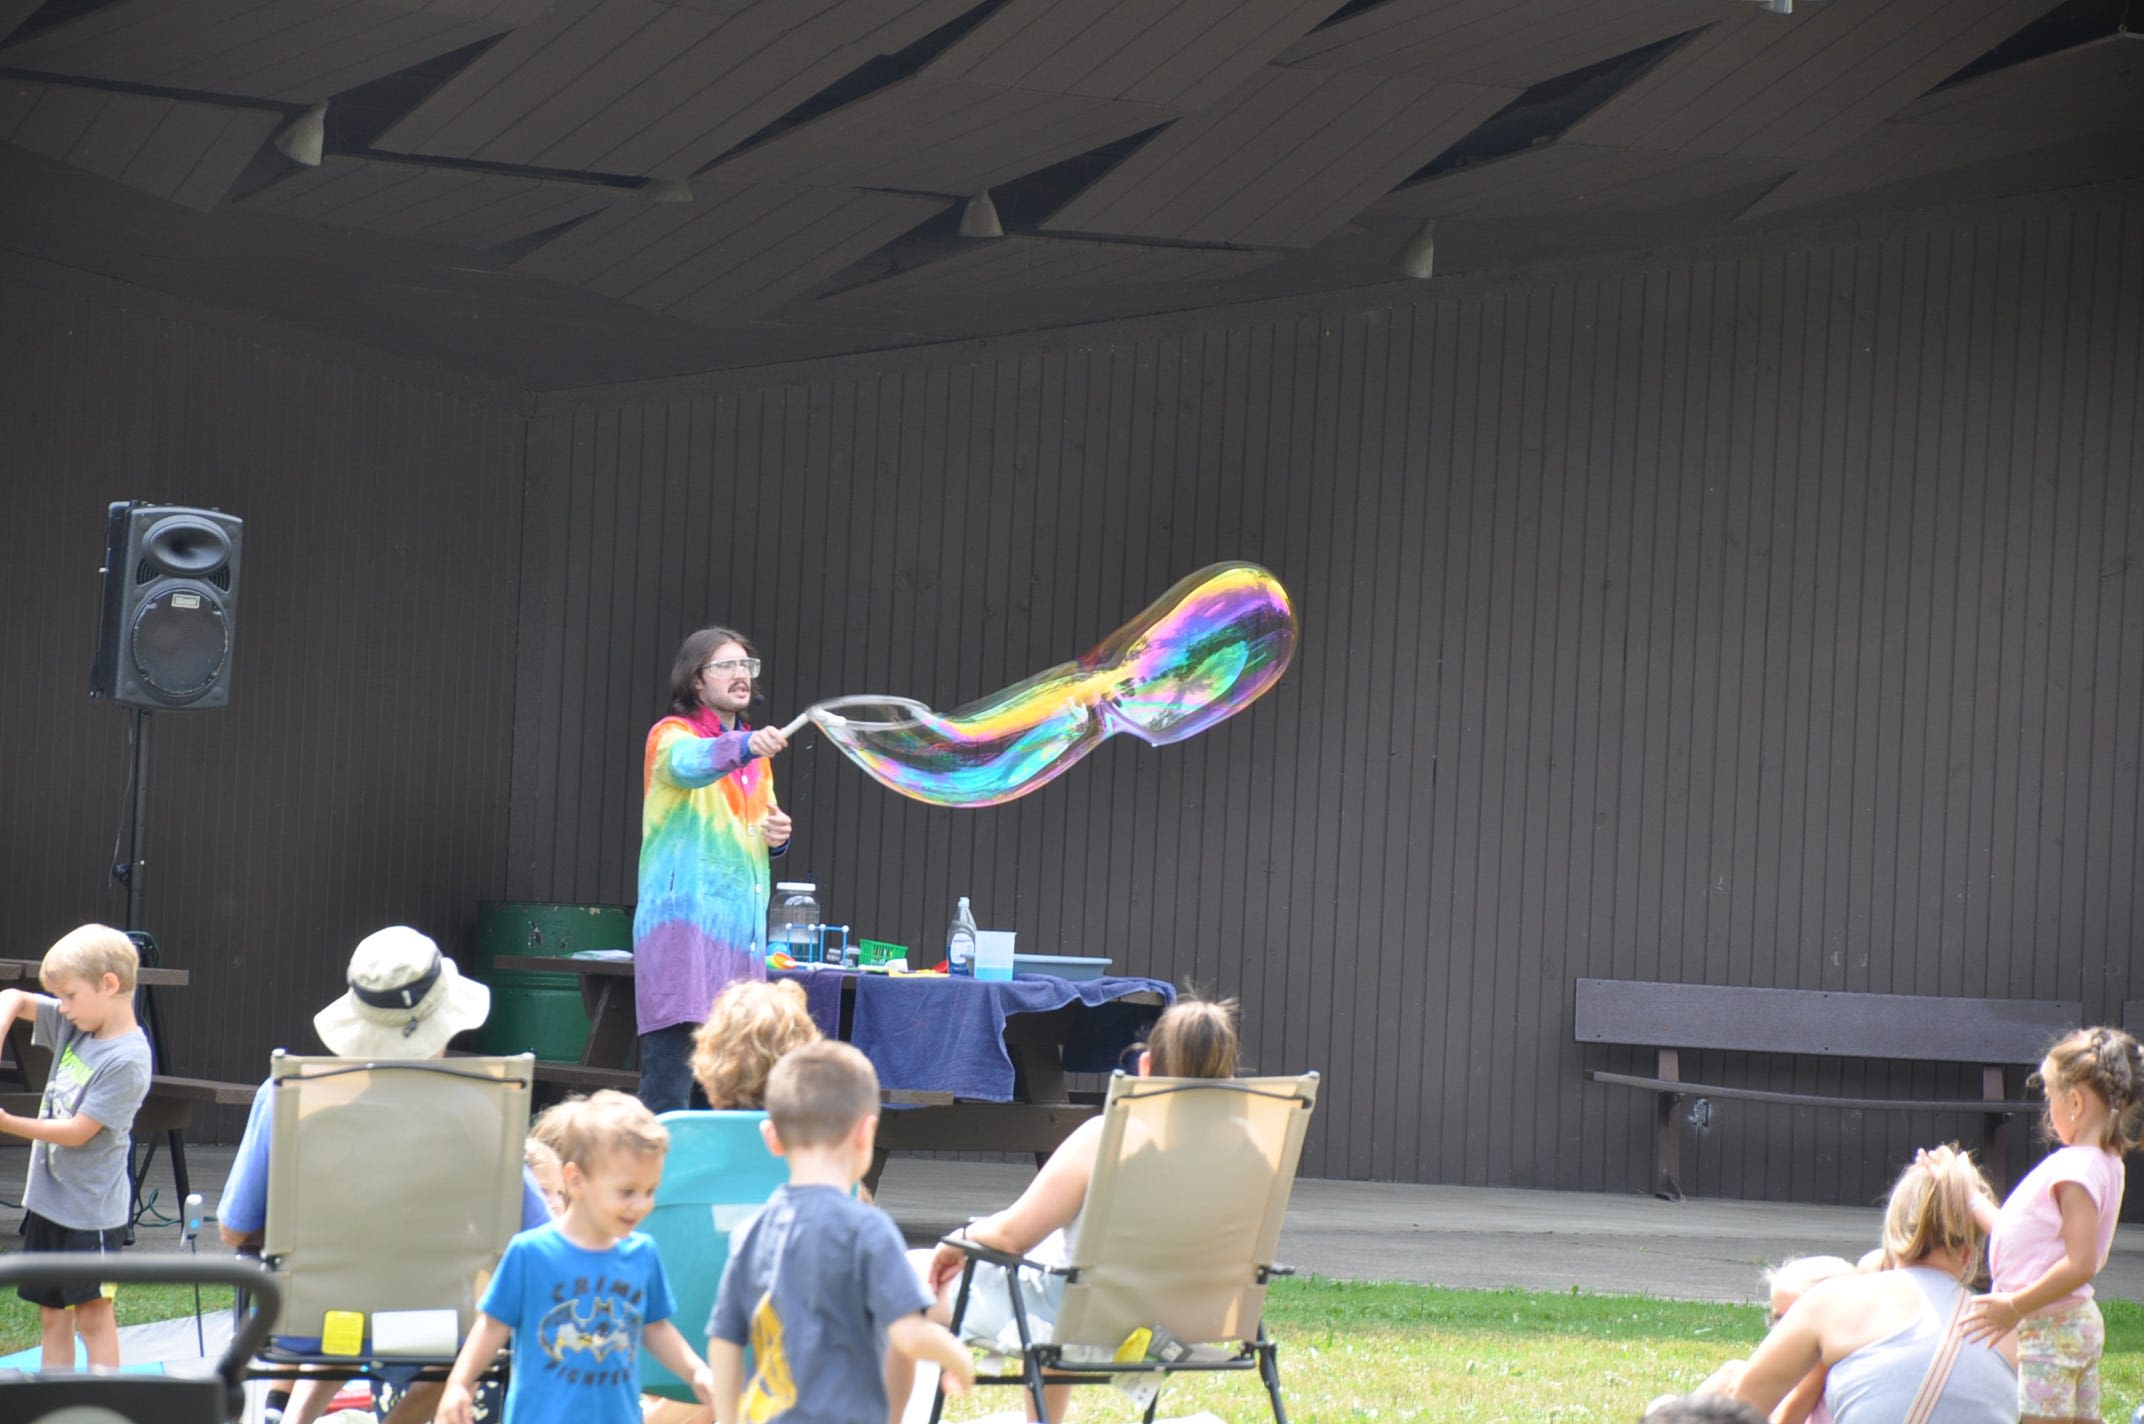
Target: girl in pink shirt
2052, 1236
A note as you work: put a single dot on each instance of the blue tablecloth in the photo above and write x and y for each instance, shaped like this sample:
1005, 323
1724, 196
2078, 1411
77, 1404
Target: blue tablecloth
948, 1035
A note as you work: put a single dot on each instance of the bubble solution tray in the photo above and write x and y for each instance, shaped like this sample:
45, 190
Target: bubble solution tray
1064, 966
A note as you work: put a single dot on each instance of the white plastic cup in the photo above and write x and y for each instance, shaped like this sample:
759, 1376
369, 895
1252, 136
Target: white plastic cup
993, 953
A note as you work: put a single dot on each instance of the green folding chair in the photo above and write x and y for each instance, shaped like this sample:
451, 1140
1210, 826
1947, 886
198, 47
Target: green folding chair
717, 1176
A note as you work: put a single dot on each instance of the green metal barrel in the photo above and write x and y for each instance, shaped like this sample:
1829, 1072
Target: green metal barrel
540, 1013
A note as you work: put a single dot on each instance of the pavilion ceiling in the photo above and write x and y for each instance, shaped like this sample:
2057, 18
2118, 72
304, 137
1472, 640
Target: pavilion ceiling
570, 192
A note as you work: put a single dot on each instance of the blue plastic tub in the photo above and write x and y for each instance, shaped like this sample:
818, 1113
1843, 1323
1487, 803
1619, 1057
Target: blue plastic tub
1064, 966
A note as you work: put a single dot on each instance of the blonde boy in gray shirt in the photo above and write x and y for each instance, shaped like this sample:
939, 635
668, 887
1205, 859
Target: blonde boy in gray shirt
76, 1196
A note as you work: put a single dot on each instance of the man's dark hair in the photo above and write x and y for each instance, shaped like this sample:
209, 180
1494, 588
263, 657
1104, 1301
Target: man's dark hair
692, 655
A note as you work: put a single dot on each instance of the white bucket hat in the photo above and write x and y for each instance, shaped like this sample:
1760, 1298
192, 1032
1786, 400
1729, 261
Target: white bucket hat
406, 1000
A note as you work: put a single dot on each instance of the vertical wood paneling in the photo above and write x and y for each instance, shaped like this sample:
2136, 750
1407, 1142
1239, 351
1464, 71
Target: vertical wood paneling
1775, 618
1767, 619
360, 775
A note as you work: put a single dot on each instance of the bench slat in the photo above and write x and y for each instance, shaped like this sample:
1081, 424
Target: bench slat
203, 1090
162, 1089
1914, 1027
627, 1080
576, 1075
1813, 1100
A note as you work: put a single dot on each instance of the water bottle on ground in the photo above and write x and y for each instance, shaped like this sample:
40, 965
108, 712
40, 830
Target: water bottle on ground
960, 941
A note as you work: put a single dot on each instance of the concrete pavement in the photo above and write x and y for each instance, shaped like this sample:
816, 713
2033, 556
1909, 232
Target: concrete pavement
1472, 1237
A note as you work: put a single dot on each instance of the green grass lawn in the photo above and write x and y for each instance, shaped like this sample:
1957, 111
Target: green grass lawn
1355, 1351
136, 1305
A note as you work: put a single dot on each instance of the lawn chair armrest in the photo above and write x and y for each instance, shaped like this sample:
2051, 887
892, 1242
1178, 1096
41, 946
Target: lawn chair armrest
977, 1251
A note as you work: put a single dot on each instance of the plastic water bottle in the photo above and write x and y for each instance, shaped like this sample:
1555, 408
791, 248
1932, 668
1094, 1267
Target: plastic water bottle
793, 920
960, 940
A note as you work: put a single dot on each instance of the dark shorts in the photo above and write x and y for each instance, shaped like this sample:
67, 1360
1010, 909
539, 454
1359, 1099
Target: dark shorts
39, 1234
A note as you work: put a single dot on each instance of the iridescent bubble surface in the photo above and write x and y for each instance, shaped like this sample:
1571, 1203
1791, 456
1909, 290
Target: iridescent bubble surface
1201, 652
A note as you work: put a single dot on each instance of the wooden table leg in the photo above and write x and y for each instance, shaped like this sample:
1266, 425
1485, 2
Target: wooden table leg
611, 1022
1036, 1044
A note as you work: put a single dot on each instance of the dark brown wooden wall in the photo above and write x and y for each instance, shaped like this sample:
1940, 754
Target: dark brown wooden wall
1770, 620
359, 775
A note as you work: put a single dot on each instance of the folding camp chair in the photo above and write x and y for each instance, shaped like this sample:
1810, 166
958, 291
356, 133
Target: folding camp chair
393, 1188
174, 1397
1167, 1267
718, 1175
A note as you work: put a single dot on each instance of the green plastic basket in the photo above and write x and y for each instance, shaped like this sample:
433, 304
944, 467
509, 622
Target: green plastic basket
877, 951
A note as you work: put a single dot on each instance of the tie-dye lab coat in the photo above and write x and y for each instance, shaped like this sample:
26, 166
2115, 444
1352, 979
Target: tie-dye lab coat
702, 919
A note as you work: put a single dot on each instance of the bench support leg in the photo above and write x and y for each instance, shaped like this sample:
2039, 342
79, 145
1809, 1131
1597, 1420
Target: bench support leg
1991, 1132
1667, 1143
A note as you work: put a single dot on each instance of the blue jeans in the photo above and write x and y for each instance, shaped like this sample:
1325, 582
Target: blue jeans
666, 1070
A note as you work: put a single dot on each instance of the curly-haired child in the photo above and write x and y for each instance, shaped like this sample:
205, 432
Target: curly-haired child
751, 1024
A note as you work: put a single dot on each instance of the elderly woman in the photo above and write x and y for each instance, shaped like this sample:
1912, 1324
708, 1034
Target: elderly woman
1882, 1335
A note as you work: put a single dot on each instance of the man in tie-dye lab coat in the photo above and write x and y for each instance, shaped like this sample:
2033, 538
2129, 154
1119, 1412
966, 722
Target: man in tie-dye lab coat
707, 827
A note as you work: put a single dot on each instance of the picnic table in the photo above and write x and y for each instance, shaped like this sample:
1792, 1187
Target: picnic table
967, 1065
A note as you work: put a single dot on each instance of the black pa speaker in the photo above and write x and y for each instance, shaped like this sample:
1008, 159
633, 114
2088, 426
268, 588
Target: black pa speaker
170, 607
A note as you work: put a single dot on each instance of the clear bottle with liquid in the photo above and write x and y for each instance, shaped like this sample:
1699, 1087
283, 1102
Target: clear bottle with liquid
960, 941
793, 920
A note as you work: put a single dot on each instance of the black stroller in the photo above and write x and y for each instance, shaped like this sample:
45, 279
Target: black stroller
200, 1397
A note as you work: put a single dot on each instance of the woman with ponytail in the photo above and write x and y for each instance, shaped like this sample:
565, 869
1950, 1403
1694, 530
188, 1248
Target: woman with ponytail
1893, 1341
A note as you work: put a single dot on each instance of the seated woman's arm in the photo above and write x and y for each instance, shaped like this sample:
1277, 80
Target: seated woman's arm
1786, 1356
1802, 1400
1049, 1204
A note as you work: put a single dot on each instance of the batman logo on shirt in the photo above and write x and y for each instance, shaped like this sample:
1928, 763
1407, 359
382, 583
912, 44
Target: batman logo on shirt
596, 1328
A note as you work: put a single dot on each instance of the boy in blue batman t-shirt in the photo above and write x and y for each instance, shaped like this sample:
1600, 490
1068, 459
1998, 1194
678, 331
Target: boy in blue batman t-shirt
819, 1284
580, 1297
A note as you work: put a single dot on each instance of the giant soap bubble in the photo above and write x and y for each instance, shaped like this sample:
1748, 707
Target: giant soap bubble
1203, 651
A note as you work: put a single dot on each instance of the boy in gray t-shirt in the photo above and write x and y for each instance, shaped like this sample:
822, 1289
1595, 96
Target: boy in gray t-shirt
76, 1195
819, 1285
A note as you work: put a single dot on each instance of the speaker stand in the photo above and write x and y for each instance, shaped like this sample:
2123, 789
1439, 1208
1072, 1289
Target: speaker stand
136, 870
136, 874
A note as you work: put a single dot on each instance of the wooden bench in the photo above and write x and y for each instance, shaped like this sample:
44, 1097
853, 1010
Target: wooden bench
1991, 1034
581, 1077
586, 1078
